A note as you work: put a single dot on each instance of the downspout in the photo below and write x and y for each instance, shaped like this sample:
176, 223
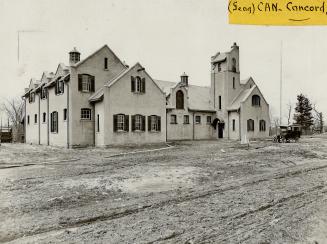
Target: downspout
94, 121
48, 128
25, 121
166, 126
39, 121
214, 89
67, 114
239, 124
193, 128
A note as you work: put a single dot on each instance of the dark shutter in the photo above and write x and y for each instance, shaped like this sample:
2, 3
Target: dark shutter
133, 122
115, 122
57, 122
133, 83
80, 82
56, 88
126, 123
143, 123
159, 123
143, 85
62, 86
149, 123
92, 79
51, 122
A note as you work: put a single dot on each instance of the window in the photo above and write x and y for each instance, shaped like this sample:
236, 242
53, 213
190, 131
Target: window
31, 97
250, 125
179, 100
86, 114
233, 124
59, 89
44, 117
233, 65
198, 119
121, 122
28, 119
138, 122
54, 122
262, 125
43, 92
219, 67
219, 104
105, 63
255, 100
85, 83
154, 123
173, 119
98, 123
137, 84
186, 119
35, 118
208, 119
233, 82
65, 114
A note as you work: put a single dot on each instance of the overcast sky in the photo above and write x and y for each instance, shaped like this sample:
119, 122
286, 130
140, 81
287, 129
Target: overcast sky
168, 37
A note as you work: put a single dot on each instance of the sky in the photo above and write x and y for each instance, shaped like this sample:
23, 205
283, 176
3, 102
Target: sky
168, 37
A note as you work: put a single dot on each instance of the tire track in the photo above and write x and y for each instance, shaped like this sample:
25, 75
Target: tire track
190, 196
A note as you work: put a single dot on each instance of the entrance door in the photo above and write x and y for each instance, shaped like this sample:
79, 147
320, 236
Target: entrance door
220, 130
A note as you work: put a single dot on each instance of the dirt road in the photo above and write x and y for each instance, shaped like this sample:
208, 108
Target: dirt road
194, 192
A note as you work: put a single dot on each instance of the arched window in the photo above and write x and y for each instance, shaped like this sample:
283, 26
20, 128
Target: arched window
233, 64
179, 100
262, 125
255, 100
250, 125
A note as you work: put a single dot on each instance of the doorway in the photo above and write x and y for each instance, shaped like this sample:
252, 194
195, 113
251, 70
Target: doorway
221, 130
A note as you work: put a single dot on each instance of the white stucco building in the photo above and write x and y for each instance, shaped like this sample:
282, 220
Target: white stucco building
100, 101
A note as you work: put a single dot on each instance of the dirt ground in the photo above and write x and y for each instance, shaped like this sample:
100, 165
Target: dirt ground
189, 192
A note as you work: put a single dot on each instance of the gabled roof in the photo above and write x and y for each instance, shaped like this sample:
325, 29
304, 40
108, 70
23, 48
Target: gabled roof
244, 94
124, 72
247, 80
221, 57
97, 96
94, 53
165, 86
120, 75
198, 96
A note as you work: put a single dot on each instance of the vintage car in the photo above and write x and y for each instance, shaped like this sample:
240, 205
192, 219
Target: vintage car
288, 133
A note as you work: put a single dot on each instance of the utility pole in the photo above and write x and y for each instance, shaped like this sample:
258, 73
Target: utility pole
281, 84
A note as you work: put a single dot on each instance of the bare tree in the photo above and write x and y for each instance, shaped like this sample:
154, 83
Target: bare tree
289, 107
14, 110
318, 120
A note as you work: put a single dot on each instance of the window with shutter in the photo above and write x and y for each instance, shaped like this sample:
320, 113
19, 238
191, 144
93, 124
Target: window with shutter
54, 122
126, 123
44, 117
143, 85
86, 83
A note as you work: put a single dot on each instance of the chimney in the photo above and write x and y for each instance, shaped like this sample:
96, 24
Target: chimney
235, 46
74, 56
184, 79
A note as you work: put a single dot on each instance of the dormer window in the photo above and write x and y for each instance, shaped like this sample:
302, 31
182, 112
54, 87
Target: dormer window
137, 84
32, 97
219, 67
59, 89
43, 92
85, 83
